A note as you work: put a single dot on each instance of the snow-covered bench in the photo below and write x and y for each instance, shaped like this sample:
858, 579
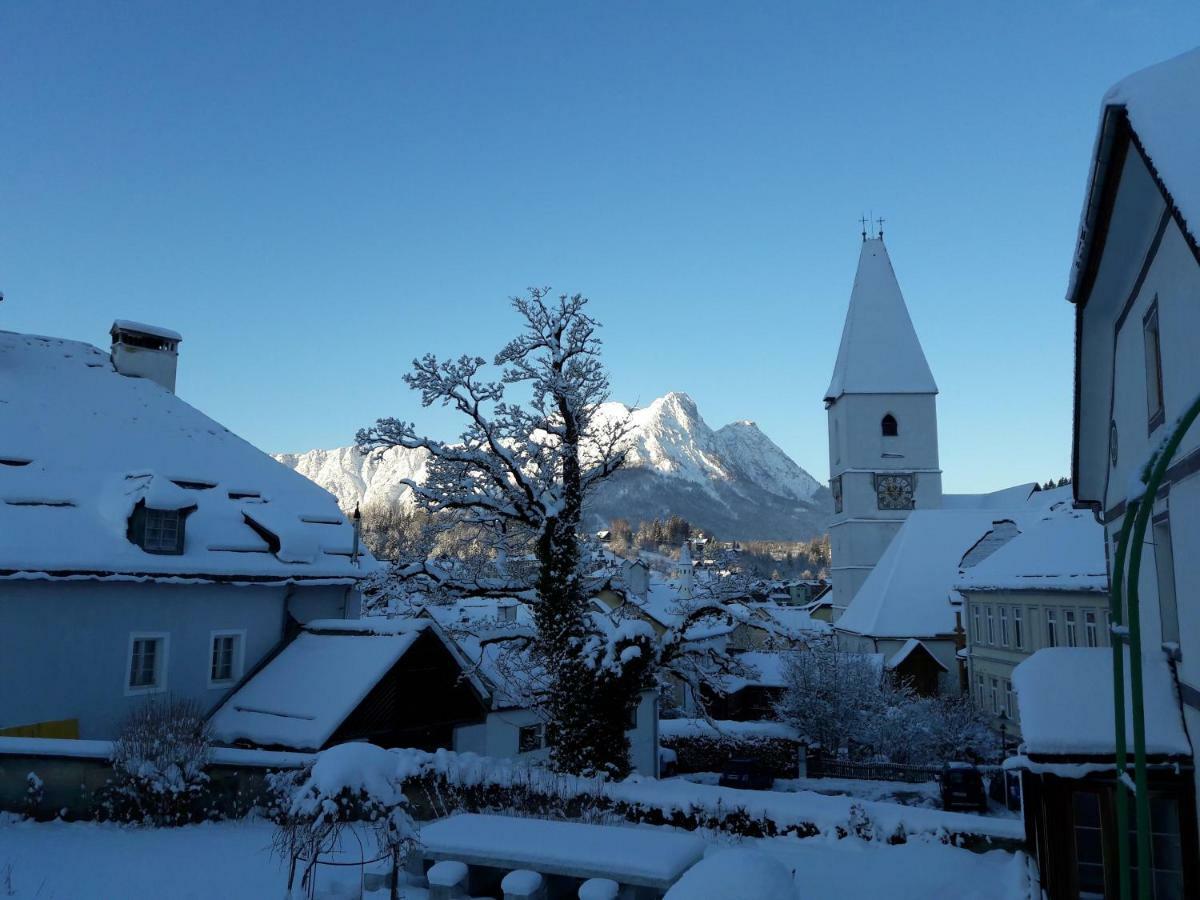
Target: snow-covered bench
639, 857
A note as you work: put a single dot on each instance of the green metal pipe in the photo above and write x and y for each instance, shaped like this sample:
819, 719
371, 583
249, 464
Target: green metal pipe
1118, 641
1157, 471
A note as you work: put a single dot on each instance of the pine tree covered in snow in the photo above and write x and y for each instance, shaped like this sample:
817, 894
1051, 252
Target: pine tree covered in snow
519, 474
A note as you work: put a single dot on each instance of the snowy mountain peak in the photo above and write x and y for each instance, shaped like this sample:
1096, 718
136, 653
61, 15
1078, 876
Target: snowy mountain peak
734, 480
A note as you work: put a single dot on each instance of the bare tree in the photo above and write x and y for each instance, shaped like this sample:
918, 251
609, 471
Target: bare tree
520, 473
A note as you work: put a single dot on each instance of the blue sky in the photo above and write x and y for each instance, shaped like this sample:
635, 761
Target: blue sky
316, 193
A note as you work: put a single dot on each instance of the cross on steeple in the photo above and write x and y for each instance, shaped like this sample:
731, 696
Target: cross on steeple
880, 220
863, 220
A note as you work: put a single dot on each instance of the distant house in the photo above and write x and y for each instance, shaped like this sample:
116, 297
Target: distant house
145, 550
1045, 586
1134, 285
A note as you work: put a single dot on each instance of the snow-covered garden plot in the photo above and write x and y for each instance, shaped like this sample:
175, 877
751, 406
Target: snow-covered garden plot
232, 860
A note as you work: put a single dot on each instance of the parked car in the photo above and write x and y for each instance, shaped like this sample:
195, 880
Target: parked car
962, 787
745, 772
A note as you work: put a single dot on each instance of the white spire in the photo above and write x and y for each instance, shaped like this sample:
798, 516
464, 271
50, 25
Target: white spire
685, 568
880, 352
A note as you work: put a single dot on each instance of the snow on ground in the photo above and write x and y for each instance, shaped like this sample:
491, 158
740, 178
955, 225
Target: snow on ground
90, 861
232, 860
827, 869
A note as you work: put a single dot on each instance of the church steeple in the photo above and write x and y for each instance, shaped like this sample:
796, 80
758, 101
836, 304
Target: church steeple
882, 412
879, 352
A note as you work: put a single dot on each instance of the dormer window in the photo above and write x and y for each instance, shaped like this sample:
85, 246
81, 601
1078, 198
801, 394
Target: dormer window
158, 530
162, 531
888, 426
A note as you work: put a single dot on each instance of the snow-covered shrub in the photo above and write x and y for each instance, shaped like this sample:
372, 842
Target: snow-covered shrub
348, 783
159, 760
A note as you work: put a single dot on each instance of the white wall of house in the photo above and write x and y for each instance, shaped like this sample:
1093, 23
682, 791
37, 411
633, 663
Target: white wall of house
72, 658
1115, 434
500, 736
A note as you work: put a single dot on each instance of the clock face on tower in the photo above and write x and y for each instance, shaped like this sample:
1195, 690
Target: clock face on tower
895, 490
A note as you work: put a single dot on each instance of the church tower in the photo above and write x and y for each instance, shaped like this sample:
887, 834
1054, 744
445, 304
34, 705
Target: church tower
882, 409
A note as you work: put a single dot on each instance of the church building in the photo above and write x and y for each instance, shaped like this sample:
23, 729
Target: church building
898, 543
882, 409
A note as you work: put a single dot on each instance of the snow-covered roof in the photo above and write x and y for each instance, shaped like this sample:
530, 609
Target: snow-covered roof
911, 646
879, 352
301, 696
907, 594
1005, 498
1065, 697
1063, 551
793, 621
768, 671
1162, 103
82, 445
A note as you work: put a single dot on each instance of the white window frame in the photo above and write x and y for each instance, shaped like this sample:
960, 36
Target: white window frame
1052, 636
990, 615
1071, 627
161, 660
1091, 628
1018, 617
239, 656
1004, 632
995, 685
1010, 698
981, 685
977, 621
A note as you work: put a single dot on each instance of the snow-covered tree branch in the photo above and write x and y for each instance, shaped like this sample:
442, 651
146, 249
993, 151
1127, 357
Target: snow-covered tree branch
520, 472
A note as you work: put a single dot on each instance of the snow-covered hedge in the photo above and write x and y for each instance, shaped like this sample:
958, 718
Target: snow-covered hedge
442, 782
703, 746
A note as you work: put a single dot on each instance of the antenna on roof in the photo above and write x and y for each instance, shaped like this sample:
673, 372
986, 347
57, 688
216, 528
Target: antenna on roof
880, 221
863, 220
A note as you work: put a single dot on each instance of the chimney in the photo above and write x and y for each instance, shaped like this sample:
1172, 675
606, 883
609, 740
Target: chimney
145, 351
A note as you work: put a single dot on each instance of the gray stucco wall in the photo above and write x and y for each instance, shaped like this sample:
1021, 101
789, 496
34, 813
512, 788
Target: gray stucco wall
64, 646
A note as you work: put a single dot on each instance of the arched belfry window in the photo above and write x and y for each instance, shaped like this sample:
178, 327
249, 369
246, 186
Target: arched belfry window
889, 426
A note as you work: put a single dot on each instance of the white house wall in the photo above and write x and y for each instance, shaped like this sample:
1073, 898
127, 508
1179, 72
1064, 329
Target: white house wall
71, 660
499, 736
1117, 375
